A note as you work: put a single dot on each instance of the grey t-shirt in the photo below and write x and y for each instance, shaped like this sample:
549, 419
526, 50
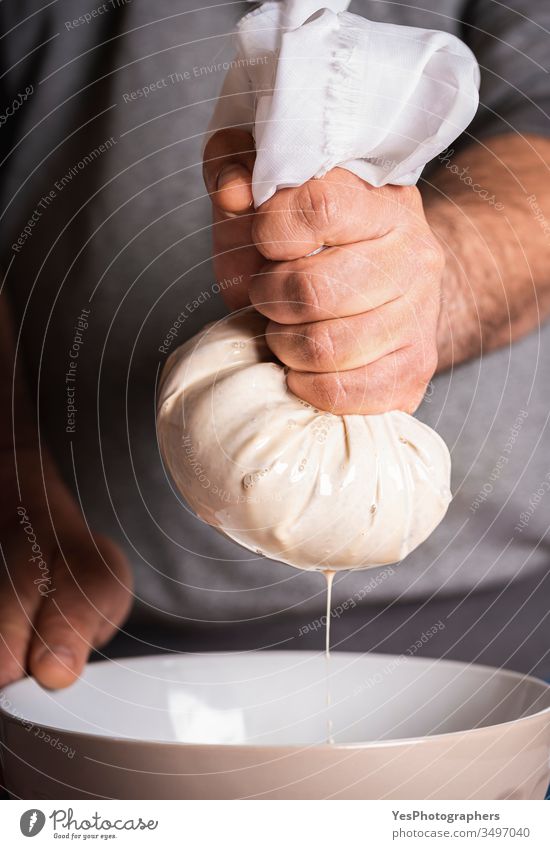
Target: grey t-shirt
105, 239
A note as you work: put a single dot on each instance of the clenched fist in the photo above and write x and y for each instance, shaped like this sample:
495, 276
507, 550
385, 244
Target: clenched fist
355, 323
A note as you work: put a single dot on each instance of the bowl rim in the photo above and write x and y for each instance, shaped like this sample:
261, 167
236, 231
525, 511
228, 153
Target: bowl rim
7, 716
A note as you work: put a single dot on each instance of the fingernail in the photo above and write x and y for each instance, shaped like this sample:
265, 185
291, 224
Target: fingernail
229, 173
57, 654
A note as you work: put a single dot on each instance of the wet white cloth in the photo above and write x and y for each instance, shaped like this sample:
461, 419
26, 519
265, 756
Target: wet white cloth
320, 87
296, 484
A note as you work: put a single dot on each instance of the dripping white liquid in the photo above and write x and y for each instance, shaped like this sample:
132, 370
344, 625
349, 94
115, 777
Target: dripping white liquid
329, 576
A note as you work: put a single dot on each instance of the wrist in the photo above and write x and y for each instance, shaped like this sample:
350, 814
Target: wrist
459, 328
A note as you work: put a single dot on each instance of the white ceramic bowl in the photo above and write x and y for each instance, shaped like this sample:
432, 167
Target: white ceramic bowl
254, 725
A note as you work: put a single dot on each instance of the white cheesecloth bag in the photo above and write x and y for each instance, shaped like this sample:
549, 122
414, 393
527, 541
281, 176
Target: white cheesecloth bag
318, 88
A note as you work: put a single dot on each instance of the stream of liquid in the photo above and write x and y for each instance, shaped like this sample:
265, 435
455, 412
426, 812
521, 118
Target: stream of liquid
329, 576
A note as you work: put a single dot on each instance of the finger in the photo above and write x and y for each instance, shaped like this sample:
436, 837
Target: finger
396, 382
337, 209
338, 282
229, 160
19, 602
344, 343
227, 169
235, 257
84, 607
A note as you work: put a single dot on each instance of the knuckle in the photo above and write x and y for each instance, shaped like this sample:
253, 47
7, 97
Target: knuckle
318, 205
329, 392
301, 292
318, 347
430, 256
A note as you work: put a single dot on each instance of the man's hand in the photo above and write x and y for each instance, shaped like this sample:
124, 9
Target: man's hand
63, 590
356, 323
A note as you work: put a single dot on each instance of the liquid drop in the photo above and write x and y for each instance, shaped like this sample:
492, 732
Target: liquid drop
329, 576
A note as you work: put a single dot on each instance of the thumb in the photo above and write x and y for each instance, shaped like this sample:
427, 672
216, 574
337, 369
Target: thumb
228, 165
234, 189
